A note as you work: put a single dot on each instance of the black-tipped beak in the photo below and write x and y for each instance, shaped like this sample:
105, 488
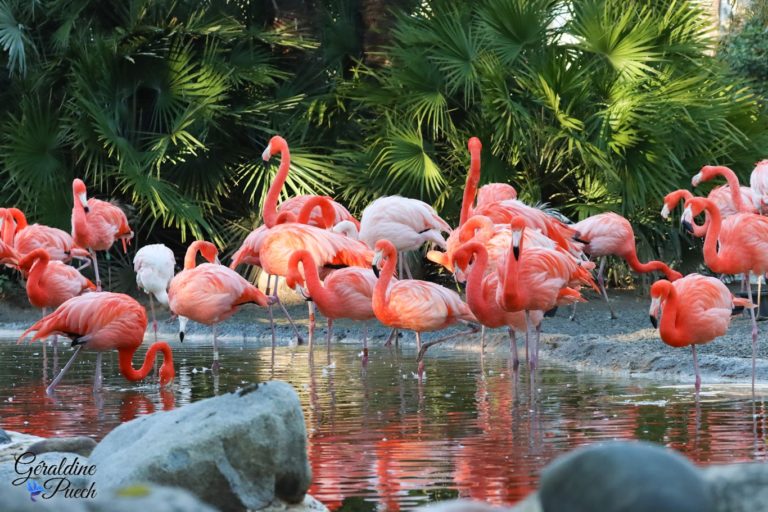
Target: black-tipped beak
375, 270
516, 252
86, 209
181, 336
654, 322
687, 226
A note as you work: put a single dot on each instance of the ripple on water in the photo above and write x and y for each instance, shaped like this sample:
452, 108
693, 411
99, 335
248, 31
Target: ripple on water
378, 439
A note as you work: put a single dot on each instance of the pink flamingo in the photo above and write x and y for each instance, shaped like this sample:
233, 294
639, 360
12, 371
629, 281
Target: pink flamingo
758, 182
50, 283
345, 293
407, 223
610, 234
25, 238
495, 193
481, 297
103, 321
209, 293
294, 205
154, 266
96, 224
731, 198
418, 306
694, 310
537, 278
733, 245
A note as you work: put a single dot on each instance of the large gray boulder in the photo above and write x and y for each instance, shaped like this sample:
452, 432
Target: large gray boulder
624, 477
739, 487
148, 497
81, 445
236, 451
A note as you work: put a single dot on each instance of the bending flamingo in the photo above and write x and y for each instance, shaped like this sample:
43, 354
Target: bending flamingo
25, 238
731, 198
419, 306
758, 182
406, 223
293, 205
103, 321
610, 234
694, 310
537, 278
733, 245
154, 266
96, 224
481, 297
345, 293
209, 293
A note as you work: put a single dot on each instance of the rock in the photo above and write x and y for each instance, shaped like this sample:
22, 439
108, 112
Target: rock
309, 504
461, 506
148, 497
738, 487
17, 499
18, 445
81, 445
4, 437
240, 450
623, 477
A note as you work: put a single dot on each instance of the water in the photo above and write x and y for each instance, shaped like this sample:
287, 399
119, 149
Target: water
379, 440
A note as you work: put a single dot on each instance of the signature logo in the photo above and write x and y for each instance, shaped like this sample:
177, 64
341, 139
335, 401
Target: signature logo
34, 488
46, 480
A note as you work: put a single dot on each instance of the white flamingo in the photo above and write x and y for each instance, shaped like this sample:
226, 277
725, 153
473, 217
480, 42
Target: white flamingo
154, 266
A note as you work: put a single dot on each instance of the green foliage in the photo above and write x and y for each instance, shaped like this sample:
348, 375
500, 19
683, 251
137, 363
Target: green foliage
591, 106
745, 47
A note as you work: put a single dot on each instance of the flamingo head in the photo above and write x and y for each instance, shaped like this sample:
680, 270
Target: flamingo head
294, 279
80, 193
25, 264
285, 218
518, 226
383, 252
659, 292
463, 258
182, 327
474, 145
276, 144
693, 207
705, 174
474, 224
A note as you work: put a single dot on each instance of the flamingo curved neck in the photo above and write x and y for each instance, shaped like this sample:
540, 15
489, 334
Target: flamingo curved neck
190, 258
132, 374
317, 291
512, 294
269, 212
327, 211
19, 218
733, 185
671, 333
475, 298
651, 266
34, 287
382, 284
470, 189
715, 220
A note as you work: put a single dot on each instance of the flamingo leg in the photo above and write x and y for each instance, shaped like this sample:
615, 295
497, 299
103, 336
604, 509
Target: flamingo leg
538, 338
52, 385
513, 349
95, 269
527, 353
154, 318
299, 339
392, 336
216, 365
697, 385
601, 284
311, 308
328, 339
422, 347
55, 344
754, 330
365, 345
534, 349
407, 267
86, 264
98, 379
573, 312
482, 341
420, 357
759, 292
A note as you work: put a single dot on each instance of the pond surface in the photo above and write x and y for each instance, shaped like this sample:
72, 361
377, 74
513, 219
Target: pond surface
379, 440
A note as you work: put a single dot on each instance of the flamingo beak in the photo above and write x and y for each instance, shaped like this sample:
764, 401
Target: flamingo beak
696, 180
182, 327
516, 236
375, 263
84, 201
665, 212
267, 153
653, 313
686, 220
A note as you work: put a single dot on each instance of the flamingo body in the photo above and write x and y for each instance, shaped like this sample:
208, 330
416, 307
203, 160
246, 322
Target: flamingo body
51, 283
96, 224
758, 182
154, 266
407, 223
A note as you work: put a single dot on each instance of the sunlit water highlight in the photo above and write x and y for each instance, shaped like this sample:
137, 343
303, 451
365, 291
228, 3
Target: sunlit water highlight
379, 440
